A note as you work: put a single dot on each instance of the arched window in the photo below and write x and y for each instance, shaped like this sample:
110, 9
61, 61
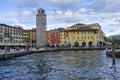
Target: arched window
76, 44
90, 44
83, 44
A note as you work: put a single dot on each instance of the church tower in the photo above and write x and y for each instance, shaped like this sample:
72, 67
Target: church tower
40, 28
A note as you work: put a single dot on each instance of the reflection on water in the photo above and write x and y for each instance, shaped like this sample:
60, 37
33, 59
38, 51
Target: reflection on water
63, 65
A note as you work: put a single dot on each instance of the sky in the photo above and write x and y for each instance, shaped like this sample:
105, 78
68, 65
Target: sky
63, 13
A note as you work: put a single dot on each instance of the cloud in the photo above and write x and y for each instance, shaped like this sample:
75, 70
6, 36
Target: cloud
65, 13
63, 4
25, 16
58, 25
107, 20
69, 16
22, 18
8, 18
105, 6
14, 20
28, 15
28, 3
113, 23
25, 26
112, 32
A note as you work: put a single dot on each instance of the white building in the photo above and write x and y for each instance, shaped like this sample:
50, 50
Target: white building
41, 28
11, 35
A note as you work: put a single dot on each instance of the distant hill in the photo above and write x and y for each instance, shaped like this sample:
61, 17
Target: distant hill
115, 36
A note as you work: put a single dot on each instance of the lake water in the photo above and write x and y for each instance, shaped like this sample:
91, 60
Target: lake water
62, 65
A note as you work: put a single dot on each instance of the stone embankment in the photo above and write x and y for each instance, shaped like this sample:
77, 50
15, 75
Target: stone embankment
9, 55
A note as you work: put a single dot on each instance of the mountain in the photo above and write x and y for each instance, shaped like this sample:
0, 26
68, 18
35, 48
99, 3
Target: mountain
115, 36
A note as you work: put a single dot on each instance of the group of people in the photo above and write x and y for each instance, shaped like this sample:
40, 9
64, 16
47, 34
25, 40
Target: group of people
13, 49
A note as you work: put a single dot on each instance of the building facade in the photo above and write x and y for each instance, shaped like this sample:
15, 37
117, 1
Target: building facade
82, 35
48, 37
32, 37
100, 33
41, 28
11, 35
55, 37
77, 35
26, 37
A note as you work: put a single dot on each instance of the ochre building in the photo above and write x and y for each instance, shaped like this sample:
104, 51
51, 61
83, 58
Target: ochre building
32, 37
82, 35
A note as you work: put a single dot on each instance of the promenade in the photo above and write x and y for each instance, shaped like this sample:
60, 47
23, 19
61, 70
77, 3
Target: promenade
21, 50
13, 53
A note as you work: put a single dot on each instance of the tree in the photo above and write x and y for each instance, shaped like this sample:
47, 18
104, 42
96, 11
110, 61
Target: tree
107, 39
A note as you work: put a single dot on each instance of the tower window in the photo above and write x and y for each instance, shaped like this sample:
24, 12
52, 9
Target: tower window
42, 11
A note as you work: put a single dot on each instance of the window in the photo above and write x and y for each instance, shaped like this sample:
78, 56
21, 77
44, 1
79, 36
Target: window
43, 11
83, 32
0, 40
95, 32
5, 41
88, 37
90, 32
97, 37
91, 37
82, 37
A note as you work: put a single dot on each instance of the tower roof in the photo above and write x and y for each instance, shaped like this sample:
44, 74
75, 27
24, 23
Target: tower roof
41, 11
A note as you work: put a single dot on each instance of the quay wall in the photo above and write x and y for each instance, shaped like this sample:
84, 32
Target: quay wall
22, 53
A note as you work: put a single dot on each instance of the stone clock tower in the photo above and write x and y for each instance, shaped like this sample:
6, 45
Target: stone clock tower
40, 28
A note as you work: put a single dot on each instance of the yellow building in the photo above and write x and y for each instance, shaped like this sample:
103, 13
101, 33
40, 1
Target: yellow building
100, 32
82, 35
48, 37
76, 26
26, 37
32, 37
